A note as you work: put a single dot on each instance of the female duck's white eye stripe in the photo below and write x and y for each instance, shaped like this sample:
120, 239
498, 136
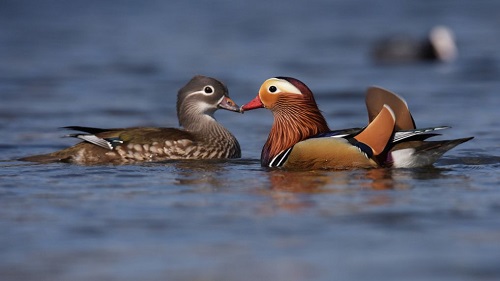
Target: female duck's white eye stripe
196, 93
207, 91
281, 86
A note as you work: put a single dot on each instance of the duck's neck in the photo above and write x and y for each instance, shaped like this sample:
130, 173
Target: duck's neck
206, 127
292, 124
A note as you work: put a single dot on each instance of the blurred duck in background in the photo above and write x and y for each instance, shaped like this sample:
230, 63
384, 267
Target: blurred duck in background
438, 46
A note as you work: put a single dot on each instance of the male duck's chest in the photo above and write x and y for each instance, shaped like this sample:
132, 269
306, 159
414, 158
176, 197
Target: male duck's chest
323, 153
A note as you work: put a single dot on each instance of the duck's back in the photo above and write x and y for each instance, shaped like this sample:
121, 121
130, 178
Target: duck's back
121, 146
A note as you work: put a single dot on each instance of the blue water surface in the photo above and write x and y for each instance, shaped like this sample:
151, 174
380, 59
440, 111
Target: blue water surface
120, 64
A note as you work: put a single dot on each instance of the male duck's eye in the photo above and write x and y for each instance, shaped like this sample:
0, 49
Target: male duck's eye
273, 89
208, 90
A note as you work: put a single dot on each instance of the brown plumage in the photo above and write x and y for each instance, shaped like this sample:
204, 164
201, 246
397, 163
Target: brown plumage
377, 97
201, 137
297, 119
379, 131
300, 137
415, 150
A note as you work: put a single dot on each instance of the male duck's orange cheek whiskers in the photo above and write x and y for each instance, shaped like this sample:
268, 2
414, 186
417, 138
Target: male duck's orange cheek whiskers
253, 104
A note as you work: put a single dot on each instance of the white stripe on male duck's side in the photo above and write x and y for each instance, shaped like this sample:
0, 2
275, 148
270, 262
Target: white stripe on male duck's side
301, 139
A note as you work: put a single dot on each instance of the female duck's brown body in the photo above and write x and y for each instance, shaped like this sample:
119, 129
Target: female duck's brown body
202, 137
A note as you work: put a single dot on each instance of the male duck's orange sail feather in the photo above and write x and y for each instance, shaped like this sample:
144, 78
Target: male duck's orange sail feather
300, 137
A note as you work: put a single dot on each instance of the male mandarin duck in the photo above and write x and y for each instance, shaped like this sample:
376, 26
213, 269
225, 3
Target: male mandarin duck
202, 137
301, 139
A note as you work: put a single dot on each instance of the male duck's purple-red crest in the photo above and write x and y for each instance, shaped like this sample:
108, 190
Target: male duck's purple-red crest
300, 137
201, 137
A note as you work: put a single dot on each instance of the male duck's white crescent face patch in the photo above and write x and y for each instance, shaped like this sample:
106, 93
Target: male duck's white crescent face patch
276, 86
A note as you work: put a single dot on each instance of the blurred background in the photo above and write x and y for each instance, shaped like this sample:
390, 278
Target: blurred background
120, 63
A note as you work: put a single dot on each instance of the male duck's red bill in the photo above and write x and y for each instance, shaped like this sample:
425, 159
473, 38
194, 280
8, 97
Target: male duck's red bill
253, 104
301, 139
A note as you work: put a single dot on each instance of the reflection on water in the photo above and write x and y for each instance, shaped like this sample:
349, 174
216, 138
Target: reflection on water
287, 189
333, 181
120, 64
298, 190
211, 173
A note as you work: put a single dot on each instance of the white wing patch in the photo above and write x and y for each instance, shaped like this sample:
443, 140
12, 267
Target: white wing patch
104, 143
401, 135
403, 158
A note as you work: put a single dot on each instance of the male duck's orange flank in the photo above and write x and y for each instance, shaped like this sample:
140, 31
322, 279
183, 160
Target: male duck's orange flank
301, 139
202, 137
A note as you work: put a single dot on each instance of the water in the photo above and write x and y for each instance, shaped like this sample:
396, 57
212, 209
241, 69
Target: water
120, 63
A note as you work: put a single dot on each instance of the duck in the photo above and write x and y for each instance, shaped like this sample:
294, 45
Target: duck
201, 136
439, 45
301, 139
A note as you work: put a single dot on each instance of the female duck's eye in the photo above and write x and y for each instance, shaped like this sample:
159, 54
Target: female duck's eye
273, 89
208, 90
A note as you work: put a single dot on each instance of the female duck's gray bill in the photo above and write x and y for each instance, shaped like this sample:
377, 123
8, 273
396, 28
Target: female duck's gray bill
228, 104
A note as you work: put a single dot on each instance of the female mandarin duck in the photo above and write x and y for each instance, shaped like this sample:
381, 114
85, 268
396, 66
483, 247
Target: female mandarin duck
301, 139
202, 137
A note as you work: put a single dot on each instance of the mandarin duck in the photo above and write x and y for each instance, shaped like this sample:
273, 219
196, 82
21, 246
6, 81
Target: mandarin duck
301, 139
202, 137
